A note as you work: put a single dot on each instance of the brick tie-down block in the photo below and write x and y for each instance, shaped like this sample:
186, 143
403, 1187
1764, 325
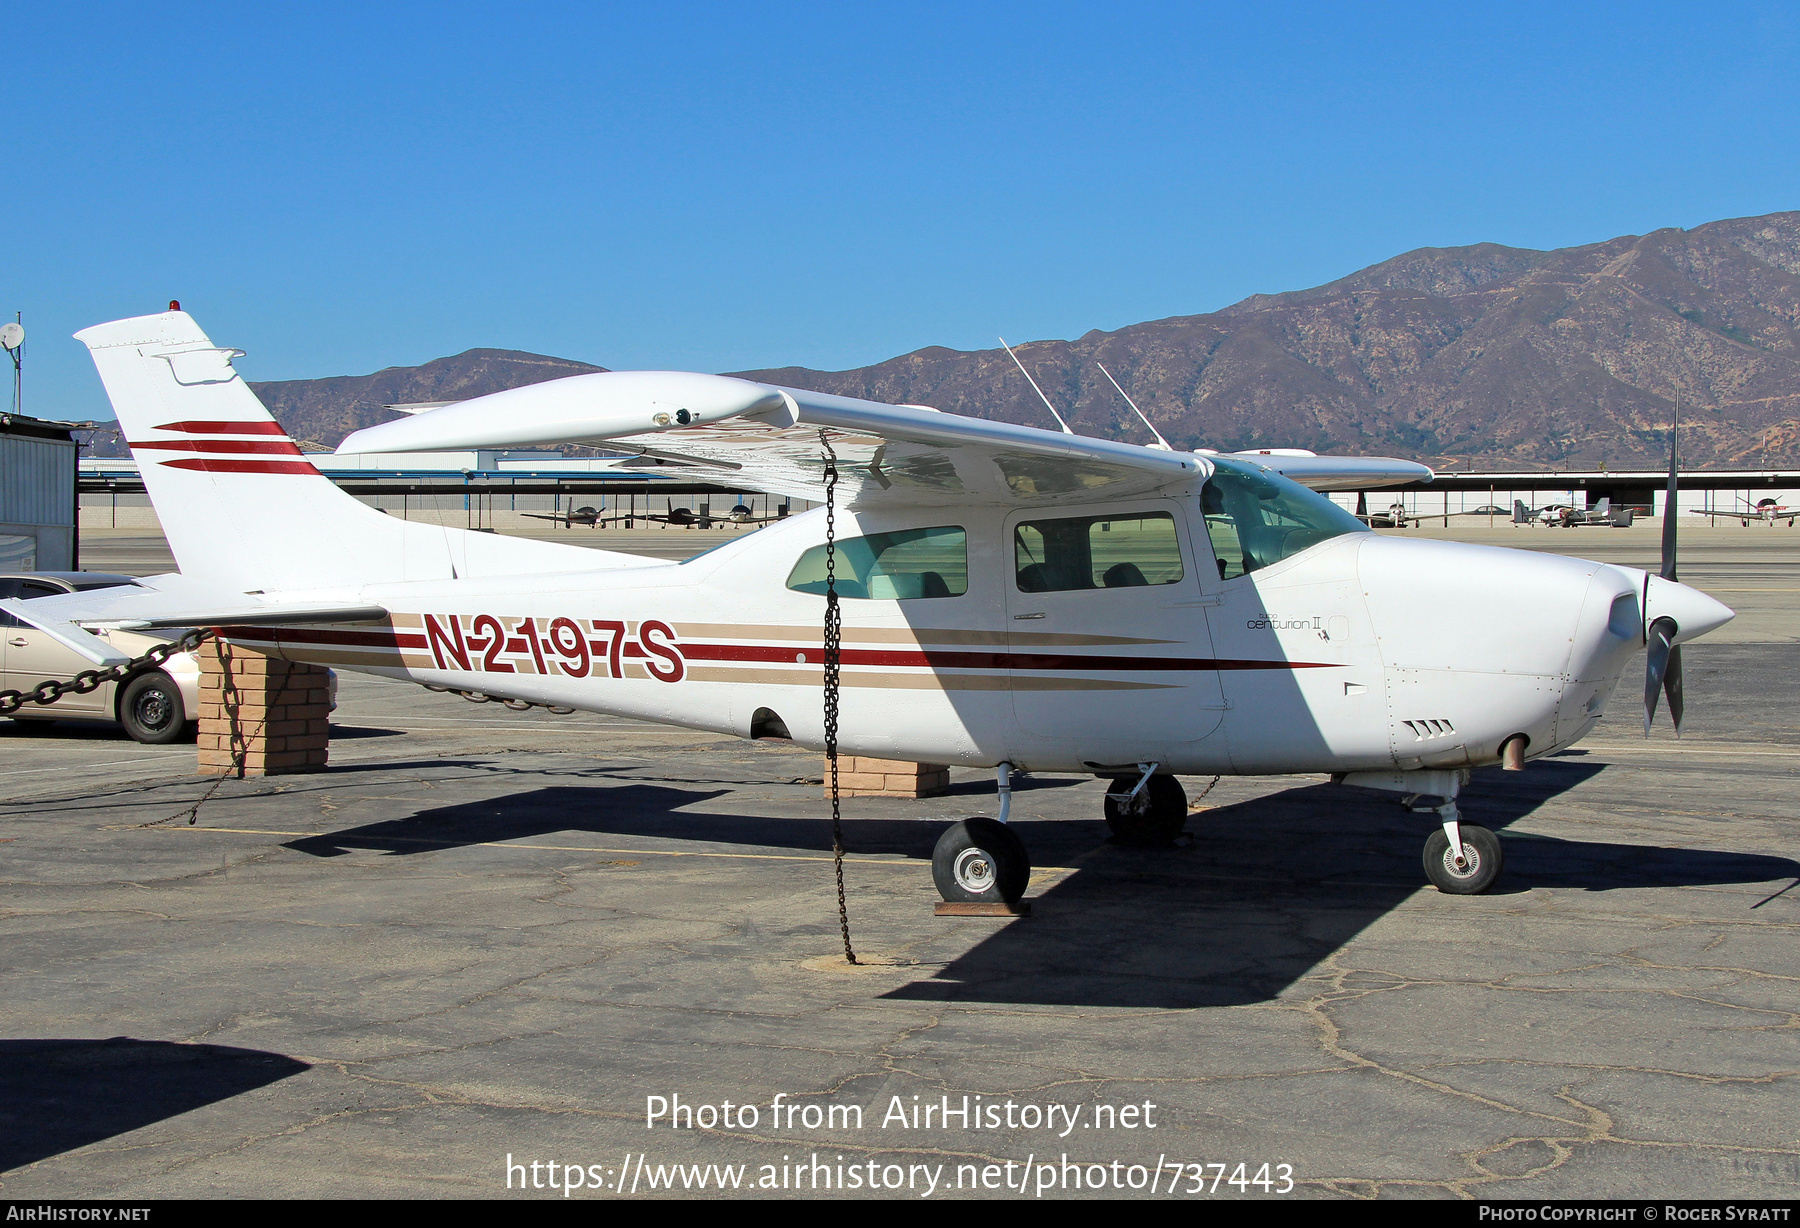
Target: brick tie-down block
260, 715
860, 777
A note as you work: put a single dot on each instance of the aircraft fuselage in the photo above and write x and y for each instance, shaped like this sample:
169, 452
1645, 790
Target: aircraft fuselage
1358, 653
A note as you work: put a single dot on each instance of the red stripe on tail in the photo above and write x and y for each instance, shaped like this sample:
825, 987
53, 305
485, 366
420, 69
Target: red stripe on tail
221, 465
283, 446
224, 428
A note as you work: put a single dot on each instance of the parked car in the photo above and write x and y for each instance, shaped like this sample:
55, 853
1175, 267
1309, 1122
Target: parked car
153, 707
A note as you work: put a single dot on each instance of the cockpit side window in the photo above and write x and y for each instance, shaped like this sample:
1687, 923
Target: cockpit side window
1076, 552
1256, 518
910, 564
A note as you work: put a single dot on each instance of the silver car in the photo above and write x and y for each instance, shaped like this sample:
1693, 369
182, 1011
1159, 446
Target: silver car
155, 706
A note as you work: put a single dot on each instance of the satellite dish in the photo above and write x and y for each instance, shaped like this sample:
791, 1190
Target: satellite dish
12, 336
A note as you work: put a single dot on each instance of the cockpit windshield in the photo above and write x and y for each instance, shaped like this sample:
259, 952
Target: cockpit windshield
1256, 518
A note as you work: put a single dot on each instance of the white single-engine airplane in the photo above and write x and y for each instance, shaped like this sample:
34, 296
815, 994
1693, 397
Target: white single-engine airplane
1011, 598
1766, 510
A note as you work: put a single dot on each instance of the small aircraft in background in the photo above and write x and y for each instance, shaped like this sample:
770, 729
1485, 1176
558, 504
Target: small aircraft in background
1568, 516
1395, 517
674, 517
1766, 510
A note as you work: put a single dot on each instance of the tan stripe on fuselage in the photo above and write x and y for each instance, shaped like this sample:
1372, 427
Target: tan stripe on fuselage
813, 678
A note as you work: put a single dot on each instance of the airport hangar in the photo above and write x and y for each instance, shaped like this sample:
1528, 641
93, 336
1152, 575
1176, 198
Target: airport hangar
503, 491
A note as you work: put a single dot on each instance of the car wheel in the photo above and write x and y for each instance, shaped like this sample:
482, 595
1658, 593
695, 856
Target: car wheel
151, 709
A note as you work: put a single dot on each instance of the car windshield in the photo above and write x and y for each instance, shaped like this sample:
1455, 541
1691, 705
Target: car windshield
1256, 517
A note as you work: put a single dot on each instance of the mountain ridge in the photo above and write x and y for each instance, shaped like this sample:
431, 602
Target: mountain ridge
1494, 355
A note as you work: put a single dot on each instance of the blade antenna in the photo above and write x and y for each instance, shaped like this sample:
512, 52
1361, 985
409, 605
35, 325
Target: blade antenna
1160, 441
1034, 387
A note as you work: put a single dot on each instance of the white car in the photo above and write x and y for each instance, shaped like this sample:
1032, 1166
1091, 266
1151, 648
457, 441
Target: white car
153, 707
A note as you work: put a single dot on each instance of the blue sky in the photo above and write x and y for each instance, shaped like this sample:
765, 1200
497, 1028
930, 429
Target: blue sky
337, 189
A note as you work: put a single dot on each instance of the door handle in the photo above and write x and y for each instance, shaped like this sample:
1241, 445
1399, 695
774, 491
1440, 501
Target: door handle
19, 642
1023, 617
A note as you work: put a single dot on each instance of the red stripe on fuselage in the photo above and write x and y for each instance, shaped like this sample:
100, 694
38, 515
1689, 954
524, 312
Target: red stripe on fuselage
949, 659
224, 428
310, 635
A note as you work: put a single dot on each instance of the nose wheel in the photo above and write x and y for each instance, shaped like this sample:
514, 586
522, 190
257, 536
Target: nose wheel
1468, 871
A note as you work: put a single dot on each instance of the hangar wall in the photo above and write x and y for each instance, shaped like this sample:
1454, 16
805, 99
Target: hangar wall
37, 496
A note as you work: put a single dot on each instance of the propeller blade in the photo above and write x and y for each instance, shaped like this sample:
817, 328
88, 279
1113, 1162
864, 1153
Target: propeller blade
1672, 687
1656, 670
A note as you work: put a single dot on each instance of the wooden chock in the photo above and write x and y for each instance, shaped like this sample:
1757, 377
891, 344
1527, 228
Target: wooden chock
861, 777
259, 714
957, 908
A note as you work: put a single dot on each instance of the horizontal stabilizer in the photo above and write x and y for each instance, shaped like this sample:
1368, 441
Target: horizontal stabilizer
160, 602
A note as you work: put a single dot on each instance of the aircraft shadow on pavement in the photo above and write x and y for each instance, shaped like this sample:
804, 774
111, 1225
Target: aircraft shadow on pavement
58, 1095
1271, 887
659, 811
1268, 888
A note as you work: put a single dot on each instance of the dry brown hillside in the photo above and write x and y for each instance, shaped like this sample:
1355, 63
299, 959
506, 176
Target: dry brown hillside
1503, 355
1499, 355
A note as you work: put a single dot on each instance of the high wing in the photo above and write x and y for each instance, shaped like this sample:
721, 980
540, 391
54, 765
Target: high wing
762, 437
1339, 472
774, 439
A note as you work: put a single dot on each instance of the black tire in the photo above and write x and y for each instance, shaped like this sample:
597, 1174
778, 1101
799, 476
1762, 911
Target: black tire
1486, 859
980, 861
151, 709
1163, 816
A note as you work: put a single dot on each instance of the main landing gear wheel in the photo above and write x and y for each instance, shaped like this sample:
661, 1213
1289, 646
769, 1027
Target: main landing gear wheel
979, 861
1154, 818
1482, 860
151, 709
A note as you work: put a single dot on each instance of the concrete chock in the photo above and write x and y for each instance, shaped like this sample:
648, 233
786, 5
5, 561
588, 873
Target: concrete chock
260, 715
860, 777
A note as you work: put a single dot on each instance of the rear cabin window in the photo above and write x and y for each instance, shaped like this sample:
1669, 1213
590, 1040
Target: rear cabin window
1054, 556
904, 566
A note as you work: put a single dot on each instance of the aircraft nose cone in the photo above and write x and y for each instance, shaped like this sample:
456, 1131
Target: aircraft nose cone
1693, 611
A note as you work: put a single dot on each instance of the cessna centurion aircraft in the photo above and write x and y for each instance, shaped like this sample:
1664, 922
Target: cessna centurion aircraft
1011, 598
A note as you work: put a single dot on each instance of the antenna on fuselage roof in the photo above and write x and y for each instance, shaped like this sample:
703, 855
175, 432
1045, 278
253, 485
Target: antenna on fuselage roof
1034, 387
1160, 441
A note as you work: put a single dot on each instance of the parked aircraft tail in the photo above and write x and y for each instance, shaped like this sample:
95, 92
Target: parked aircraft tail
240, 504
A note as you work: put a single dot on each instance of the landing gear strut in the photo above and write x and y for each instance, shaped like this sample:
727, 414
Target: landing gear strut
1460, 858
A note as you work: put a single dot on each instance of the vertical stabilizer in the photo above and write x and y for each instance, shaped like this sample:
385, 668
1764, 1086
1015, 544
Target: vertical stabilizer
239, 503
